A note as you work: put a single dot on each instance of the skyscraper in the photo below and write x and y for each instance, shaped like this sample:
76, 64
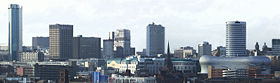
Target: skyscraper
108, 48
276, 47
236, 38
15, 31
40, 42
122, 42
61, 41
86, 47
155, 39
204, 49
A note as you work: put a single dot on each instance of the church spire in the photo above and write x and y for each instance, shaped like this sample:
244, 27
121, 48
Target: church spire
168, 49
168, 62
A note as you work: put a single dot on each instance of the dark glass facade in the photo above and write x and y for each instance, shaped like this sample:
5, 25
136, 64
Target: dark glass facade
15, 31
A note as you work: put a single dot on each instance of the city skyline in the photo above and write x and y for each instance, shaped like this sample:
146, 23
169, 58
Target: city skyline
211, 41
98, 22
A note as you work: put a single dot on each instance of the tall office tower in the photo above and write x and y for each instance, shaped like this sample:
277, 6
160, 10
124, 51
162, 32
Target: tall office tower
15, 31
61, 41
40, 43
276, 47
155, 39
122, 42
204, 49
108, 48
236, 38
86, 47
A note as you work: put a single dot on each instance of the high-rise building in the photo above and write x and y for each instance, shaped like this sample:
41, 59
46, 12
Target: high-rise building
122, 42
15, 31
236, 38
108, 48
40, 42
155, 39
204, 49
61, 41
276, 47
86, 47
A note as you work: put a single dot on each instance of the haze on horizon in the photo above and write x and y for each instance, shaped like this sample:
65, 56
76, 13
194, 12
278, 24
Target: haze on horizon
187, 22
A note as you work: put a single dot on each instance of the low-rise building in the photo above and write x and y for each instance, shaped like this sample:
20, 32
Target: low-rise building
114, 63
220, 51
151, 66
26, 71
129, 64
185, 52
186, 66
31, 56
130, 79
89, 64
51, 72
251, 73
6, 69
43, 70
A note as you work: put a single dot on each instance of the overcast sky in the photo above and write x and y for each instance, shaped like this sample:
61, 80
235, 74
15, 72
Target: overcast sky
187, 22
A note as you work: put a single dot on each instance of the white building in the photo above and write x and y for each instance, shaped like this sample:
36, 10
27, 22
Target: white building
127, 79
185, 52
129, 64
151, 66
31, 56
122, 42
235, 38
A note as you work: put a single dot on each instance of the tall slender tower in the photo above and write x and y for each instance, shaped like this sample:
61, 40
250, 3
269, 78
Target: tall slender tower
155, 39
15, 31
236, 38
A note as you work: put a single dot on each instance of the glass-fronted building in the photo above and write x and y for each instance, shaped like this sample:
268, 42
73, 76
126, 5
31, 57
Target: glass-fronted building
15, 31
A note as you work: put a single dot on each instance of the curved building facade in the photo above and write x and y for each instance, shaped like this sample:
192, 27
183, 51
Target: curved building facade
235, 63
236, 38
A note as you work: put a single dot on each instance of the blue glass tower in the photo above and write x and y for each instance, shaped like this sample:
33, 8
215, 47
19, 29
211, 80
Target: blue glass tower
155, 39
15, 31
